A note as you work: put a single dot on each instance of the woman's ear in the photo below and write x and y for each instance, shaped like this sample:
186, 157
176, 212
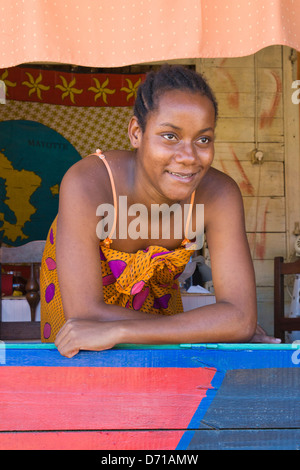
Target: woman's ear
134, 132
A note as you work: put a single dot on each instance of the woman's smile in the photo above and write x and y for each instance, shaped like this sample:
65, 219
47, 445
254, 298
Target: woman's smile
182, 177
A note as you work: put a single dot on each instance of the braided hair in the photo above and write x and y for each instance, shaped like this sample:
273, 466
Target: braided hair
168, 78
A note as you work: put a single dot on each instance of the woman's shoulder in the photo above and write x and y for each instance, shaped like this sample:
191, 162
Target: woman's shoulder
93, 162
216, 176
221, 197
217, 185
91, 174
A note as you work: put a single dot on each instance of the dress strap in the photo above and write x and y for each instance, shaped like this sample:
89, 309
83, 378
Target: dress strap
186, 240
108, 240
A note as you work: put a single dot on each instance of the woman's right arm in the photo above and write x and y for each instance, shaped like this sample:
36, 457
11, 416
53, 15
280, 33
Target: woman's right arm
77, 246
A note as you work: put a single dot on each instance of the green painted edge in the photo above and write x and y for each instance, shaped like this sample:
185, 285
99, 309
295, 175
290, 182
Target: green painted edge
218, 346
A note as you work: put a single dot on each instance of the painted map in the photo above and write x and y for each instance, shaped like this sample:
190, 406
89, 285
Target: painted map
33, 160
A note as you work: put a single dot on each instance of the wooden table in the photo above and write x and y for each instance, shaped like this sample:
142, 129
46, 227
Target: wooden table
181, 397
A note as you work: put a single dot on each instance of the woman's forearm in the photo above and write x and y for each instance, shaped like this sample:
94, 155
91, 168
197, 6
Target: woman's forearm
106, 312
220, 322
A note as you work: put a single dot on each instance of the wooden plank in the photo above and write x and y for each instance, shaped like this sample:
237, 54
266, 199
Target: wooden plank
244, 439
264, 214
264, 271
213, 439
265, 293
290, 324
269, 105
241, 104
269, 57
231, 62
292, 160
20, 330
235, 130
236, 105
265, 245
263, 180
269, 80
230, 79
273, 132
91, 440
265, 314
273, 151
242, 151
76, 398
252, 399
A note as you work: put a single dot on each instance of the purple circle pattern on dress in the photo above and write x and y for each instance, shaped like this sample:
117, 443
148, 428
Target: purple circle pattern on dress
49, 294
137, 287
51, 264
109, 279
102, 255
117, 266
140, 298
47, 330
162, 302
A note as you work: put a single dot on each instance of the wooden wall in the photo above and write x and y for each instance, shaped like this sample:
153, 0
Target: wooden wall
256, 112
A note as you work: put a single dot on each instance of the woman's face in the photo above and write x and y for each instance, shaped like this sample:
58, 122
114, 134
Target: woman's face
177, 148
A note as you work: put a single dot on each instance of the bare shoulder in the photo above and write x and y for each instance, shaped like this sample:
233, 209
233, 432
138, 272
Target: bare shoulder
222, 200
88, 179
218, 188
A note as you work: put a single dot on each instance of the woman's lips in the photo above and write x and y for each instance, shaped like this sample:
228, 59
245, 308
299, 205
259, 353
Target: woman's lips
186, 177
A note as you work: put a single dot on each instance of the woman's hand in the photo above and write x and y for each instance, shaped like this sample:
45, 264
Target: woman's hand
92, 335
262, 337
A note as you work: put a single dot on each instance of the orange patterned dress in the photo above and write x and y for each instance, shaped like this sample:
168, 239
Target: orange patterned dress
146, 280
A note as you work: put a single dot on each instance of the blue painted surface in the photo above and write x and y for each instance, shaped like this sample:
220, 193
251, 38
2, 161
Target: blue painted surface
222, 357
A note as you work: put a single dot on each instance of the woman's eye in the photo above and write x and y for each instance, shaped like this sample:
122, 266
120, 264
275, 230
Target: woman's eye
169, 137
204, 140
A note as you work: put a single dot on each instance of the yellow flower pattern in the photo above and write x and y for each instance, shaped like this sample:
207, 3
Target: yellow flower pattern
101, 90
132, 89
6, 82
35, 85
68, 89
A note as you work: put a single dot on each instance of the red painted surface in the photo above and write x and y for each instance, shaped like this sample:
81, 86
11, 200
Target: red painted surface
99, 398
91, 440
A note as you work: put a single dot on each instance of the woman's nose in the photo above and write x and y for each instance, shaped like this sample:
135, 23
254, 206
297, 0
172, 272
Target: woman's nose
186, 154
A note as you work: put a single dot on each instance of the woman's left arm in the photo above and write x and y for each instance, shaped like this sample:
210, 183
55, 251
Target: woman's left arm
233, 318
231, 261
232, 265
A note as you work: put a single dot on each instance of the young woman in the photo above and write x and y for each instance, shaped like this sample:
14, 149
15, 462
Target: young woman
123, 288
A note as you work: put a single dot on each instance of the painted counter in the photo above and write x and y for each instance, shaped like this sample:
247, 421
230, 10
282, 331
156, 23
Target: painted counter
173, 397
